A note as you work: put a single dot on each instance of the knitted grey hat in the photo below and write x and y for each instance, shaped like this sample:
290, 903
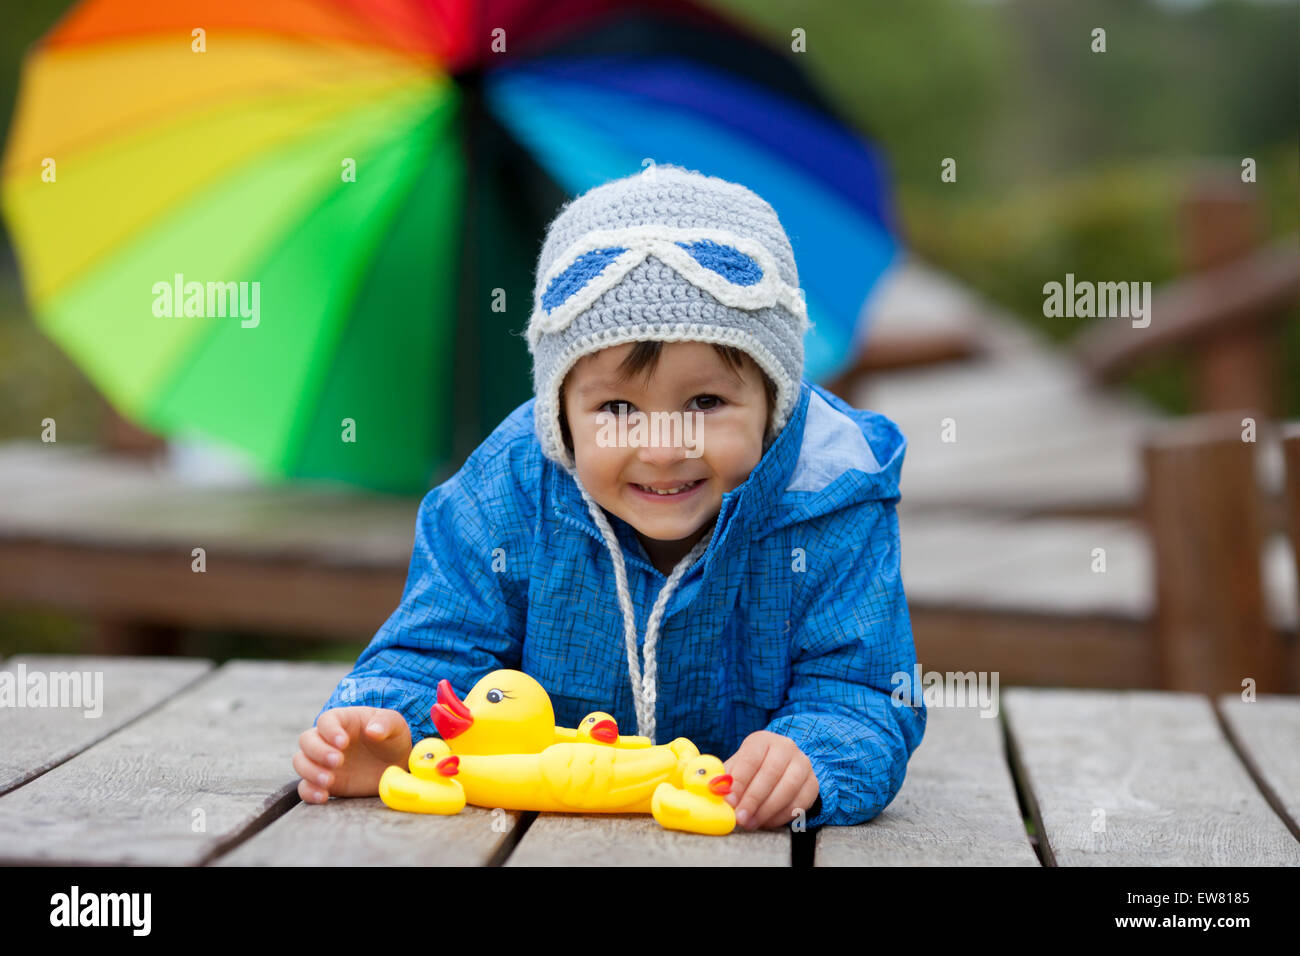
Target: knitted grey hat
670, 255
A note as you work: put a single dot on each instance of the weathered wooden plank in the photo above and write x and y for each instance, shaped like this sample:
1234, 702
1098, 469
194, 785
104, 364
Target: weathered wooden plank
361, 831
957, 805
116, 690
184, 780
1138, 778
1266, 732
628, 839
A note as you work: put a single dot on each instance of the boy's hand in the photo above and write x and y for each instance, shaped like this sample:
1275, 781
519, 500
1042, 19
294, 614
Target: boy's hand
348, 750
771, 779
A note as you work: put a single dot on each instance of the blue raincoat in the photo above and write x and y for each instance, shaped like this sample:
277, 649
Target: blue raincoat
793, 620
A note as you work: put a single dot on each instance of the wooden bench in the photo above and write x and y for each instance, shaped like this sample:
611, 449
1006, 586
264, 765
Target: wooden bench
113, 537
189, 764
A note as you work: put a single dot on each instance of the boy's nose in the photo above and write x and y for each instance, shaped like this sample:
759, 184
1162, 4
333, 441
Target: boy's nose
663, 455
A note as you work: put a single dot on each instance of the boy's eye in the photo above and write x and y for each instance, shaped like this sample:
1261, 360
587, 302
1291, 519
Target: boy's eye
617, 407
711, 402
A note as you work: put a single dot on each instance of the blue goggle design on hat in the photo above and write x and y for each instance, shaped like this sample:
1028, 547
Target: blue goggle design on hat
737, 271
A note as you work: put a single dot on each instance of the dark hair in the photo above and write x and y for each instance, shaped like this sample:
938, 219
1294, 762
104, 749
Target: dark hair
644, 357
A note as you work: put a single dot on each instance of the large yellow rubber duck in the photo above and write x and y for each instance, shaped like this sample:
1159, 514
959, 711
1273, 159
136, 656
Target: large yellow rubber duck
511, 755
699, 806
508, 712
583, 778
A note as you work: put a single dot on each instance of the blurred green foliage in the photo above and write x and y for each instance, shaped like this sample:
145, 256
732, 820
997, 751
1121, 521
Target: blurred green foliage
1067, 160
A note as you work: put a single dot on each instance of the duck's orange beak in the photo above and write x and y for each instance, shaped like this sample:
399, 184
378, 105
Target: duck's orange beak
449, 766
606, 731
721, 784
450, 715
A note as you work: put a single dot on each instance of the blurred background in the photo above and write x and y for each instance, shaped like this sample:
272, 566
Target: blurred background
1079, 507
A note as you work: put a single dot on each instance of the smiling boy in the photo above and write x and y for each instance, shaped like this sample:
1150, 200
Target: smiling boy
748, 588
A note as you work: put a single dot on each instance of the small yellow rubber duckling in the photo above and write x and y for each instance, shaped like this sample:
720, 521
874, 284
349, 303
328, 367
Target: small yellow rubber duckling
430, 787
599, 727
699, 807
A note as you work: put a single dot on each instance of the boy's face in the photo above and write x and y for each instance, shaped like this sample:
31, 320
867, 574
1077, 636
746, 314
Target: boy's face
728, 439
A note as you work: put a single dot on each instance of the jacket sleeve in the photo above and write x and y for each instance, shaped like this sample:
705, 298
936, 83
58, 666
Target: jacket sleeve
462, 613
854, 635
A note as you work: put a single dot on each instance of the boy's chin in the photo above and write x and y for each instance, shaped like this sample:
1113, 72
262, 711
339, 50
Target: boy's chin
667, 529
662, 522
665, 532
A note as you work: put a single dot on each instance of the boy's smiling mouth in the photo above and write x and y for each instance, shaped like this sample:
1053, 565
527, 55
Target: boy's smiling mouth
665, 489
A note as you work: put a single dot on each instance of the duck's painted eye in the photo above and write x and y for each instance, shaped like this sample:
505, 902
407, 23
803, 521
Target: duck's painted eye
429, 756
700, 771
591, 720
495, 696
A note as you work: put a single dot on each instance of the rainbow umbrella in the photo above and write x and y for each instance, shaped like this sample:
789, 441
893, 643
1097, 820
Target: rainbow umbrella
307, 230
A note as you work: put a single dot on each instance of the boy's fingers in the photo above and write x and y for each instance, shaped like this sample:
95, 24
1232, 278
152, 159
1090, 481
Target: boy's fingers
311, 794
806, 797
774, 810
380, 725
742, 766
760, 788
331, 729
744, 763
317, 750
316, 775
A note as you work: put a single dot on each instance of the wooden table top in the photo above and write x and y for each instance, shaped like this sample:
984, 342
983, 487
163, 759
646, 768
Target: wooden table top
189, 764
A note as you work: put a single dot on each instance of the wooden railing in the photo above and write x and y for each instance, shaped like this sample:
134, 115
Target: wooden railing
1226, 313
1210, 522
